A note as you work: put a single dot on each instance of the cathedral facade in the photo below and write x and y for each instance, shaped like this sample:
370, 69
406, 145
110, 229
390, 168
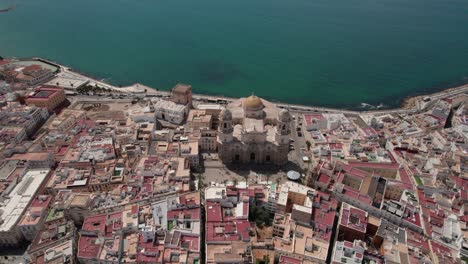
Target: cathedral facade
254, 131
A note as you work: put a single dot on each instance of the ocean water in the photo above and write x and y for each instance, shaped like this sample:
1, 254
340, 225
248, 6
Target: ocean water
338, 53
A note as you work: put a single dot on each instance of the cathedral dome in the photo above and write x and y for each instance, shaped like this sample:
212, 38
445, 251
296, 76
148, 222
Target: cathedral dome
284, 115
252, 102
225, 114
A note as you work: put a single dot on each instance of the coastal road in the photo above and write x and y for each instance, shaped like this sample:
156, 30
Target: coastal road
301, 109
299, 143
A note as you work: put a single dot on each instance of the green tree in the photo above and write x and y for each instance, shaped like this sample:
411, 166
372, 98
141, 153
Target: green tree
308, 145
260, 216
198, 175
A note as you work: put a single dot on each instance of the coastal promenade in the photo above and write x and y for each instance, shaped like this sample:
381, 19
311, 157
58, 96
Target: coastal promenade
417, 104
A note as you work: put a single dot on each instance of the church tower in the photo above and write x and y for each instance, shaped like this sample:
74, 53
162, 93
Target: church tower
283, 127
225, 128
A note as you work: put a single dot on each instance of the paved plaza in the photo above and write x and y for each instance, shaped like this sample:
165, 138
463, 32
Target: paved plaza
216, 172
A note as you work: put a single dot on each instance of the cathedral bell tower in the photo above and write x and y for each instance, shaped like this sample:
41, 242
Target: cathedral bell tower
283, 127
225, 128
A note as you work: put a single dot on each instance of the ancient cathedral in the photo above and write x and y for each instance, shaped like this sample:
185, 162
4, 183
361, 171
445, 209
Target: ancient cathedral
253, 130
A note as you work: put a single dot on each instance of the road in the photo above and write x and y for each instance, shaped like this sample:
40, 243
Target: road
299, 144
150, 92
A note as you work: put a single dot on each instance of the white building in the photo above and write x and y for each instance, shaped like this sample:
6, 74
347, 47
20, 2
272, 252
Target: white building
215, 193
348, 252
210, 107
325, 121
272, 198
452, 231
170, 111
61, 253
12, 209
336, 120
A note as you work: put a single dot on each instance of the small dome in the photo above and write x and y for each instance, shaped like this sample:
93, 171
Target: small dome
225, 114
252, 102
284, 116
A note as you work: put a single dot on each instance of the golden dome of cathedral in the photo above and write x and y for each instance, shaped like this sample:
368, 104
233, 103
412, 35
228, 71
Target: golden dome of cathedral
252, 102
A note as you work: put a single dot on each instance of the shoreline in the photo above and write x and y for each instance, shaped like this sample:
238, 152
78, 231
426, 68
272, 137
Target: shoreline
411, 101
409, 104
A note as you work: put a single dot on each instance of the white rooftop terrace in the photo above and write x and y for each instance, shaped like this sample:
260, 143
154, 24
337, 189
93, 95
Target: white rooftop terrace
214, 192
169, 105
12, 209
210, 107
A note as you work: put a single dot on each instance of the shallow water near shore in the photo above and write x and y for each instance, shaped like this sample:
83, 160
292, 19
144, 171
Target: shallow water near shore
339, 53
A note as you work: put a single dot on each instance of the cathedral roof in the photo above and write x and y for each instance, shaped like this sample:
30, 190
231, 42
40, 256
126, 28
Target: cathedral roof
284, 115
253, 125
252, 102
225, 114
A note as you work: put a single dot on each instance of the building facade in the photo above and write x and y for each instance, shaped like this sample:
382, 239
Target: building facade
170, 111
28, 118
182, 94
47, 97
198, 119
253, 130
15, 206
207, 140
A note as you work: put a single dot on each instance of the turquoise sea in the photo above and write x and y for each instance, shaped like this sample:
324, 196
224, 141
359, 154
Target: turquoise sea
338, 53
